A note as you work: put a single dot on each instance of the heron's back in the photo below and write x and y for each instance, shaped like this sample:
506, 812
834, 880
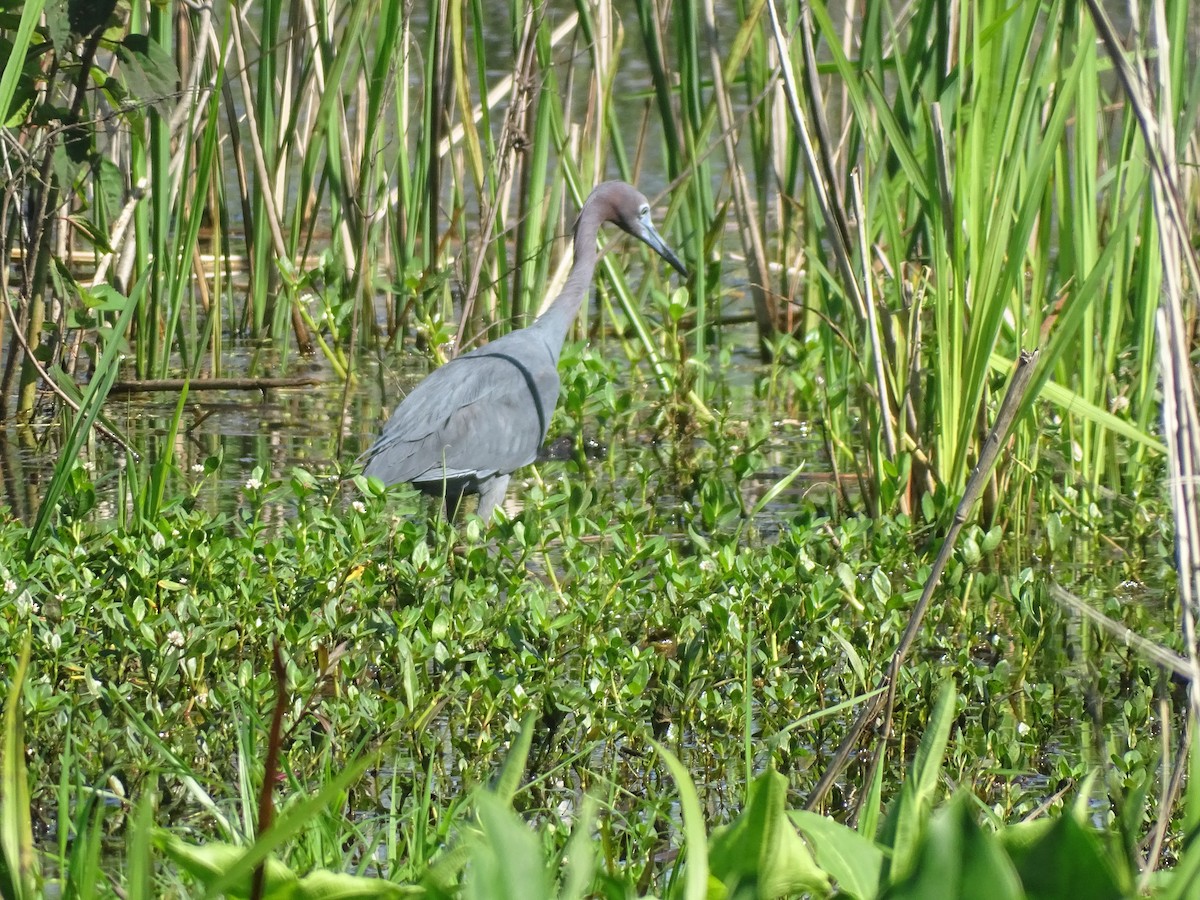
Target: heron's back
482, 414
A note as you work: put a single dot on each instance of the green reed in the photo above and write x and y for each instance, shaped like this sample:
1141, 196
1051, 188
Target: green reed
991, 211
920, 211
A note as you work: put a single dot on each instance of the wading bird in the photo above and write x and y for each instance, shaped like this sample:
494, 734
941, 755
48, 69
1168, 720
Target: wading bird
471, 423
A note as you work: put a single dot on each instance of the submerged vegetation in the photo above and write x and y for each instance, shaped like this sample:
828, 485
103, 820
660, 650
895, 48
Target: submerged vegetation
694, 664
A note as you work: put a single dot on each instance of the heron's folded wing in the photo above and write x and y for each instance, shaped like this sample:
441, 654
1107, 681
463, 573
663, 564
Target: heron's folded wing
480, 414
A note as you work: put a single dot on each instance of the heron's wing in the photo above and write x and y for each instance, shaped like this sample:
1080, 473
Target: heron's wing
484, 413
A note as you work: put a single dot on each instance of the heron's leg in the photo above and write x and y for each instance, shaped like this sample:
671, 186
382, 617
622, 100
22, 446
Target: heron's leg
491, 494
453, 499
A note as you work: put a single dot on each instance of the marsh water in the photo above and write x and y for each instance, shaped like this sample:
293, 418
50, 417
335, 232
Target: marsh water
323, 427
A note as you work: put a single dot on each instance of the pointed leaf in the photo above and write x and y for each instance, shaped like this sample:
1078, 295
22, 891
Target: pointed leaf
763, 849
580, 858
908, 813
1065, 860
211, 863
695, 840
514, 762
958, 859
853, 861
506, 859
17, 860
148, 71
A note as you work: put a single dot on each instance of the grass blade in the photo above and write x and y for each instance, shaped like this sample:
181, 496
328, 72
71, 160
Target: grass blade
17, 861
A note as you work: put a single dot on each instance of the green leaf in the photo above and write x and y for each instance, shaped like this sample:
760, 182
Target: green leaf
211, 863
695, 882
287, 826
762, 850
506, 858
140, 861
17, 860
65, 167
18, 90
1065, 859
88, 15
148, 71
908, 813
109, 185
853, 861
958, 859
89, 410
326, 885
514, 763
580, 856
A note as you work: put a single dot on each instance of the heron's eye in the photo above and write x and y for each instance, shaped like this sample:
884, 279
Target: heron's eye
644, 211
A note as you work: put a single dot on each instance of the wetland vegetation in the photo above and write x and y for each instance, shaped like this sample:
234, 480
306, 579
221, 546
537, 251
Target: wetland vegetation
806, 599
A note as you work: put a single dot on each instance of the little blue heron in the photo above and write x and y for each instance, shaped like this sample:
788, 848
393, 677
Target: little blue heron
474, 421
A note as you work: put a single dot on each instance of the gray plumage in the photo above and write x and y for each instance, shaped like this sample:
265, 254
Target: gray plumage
472, 422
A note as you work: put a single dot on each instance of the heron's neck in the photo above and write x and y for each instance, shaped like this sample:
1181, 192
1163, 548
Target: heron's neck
556, 321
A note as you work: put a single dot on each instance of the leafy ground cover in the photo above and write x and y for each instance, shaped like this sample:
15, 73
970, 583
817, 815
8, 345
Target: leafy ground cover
612, 617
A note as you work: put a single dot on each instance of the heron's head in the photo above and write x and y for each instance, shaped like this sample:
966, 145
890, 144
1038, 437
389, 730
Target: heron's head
629, 210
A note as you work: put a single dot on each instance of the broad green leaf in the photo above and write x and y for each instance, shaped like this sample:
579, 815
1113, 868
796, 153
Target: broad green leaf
210, 864
326, 885
579, 862
762, 850
958, 860
148, 71
506, 857
514, 762
853, 861
138, 855
1020, 837
927, 764
1065, 859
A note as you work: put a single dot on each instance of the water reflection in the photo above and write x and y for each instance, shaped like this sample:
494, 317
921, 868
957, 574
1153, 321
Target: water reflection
282, 428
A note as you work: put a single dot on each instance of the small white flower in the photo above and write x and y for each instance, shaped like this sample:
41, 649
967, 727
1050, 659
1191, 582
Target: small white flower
1022, 729
359, 506
331, 585
10, 586
202, 698
253, 484
707, 565
198, 468
175, 638
54, 641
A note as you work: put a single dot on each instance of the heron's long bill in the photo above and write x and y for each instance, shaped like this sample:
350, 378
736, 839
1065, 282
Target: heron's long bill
655, 242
